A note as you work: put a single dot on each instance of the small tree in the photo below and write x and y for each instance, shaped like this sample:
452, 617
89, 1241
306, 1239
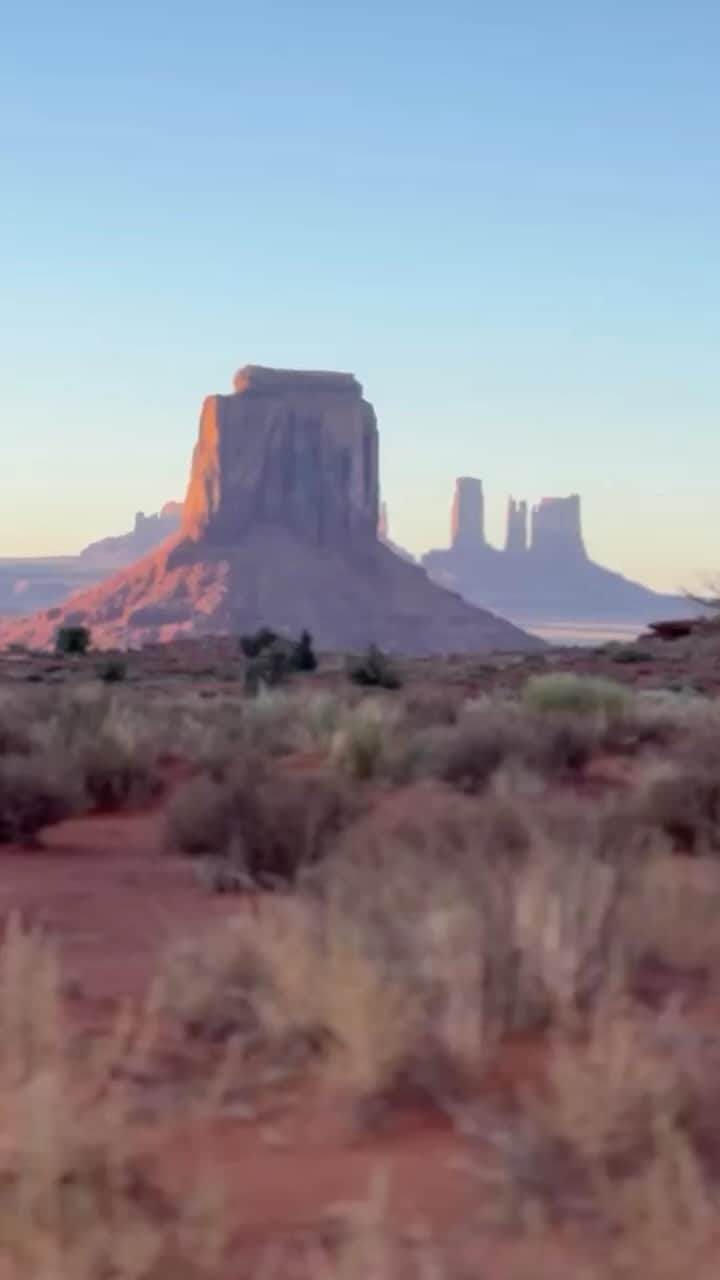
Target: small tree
73, 640
302, 657
256, 642
269, 668
373, 670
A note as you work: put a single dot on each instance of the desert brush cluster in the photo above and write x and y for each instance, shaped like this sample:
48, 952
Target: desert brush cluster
499, 910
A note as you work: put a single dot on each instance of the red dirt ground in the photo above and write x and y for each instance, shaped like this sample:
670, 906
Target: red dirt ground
103, 888
113, 900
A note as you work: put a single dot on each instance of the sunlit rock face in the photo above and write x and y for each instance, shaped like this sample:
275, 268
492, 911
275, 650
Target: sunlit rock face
290, 449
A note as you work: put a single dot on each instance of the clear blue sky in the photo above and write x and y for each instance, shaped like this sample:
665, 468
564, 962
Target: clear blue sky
503, 217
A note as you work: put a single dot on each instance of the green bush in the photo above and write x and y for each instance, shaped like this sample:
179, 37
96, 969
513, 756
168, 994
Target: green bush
73, 640
271, 658
563, 691
373, 670
256, 642
302, 656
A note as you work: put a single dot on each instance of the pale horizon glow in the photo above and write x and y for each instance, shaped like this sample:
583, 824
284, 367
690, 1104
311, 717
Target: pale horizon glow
504, 223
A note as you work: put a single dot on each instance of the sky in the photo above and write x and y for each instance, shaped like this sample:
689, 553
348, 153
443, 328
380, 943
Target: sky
502, 217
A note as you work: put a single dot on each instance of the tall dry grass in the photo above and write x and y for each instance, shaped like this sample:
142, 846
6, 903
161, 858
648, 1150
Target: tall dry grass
449, 886
79, 1200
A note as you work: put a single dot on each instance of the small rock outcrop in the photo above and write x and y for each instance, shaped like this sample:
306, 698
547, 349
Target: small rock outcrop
677, 628
280, 528
147, 532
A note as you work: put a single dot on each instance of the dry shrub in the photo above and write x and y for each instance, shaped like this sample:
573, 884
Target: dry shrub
110, 742
377, 739
16, 716
85, 740
684, 802
429, 708
611, 1138
672, 913
607, 1090
433, 929
207, 734
274, 723
322, 715
655, 719
622, 1134
269, 823
199, 817
491, 735
365, 741
78, 1202
34, 793
115, 776
468, 754
270, 722
546, 879
215, 985
565, 743
604, 826
293, 983
664, 1219
439, 830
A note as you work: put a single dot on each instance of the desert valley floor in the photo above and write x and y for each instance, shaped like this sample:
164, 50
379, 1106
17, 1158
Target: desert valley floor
343, 981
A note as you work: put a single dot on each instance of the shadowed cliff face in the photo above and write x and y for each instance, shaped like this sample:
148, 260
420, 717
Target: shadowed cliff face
295, 450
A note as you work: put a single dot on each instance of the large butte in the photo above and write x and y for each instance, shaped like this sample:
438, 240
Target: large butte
280, 528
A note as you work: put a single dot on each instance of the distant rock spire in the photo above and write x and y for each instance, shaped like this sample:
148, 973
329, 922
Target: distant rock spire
516, 528
467, 526
557, 528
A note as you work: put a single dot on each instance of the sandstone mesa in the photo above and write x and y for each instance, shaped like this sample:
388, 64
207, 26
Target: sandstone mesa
280, 528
